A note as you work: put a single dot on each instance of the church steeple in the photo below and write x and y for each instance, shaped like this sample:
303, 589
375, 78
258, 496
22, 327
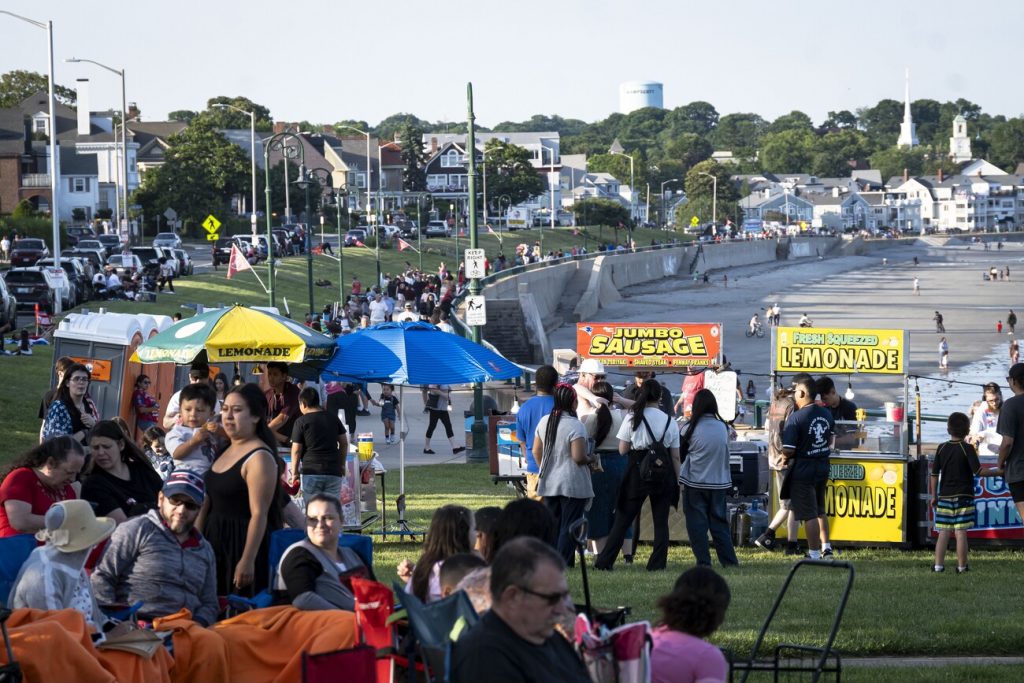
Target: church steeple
908, 132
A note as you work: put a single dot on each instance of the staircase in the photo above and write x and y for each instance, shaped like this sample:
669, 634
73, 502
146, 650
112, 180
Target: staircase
574, 290
506, 331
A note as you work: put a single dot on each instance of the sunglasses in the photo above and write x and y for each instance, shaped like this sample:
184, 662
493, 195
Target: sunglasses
189, 505
551, 599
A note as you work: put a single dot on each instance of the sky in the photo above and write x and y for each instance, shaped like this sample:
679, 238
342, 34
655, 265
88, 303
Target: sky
327, 61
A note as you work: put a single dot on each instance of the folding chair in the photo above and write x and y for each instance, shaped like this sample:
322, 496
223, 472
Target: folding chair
354, 665
434, 627
14, 551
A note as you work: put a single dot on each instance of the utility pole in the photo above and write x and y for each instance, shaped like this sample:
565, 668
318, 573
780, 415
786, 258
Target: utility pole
478, 451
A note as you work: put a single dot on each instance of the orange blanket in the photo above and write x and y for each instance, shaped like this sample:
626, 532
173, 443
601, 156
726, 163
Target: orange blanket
200, 654
266, 645
50, 645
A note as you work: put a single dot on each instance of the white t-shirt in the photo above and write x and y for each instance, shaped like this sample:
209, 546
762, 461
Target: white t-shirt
378, 311
407, 316
657, 420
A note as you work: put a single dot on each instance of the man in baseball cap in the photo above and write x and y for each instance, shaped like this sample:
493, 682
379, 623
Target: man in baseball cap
161, 559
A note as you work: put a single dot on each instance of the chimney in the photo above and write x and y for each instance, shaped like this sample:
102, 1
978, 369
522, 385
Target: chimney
433, 145
82, 88
279, 127
835, 191
940, 174
329, 130
906, 175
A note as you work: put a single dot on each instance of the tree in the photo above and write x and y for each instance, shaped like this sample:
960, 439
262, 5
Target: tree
540, 122
615, 164
740, 133
391, 127
794, 120
16, 85
881, 122
787, 151
183, 115
226, 118
892, 161
697, 117
927, 115
509, 172
596, 211
1006, 144
344, 127
700, 191
201, 172
689, 149
834, 151
840, 119
413, 158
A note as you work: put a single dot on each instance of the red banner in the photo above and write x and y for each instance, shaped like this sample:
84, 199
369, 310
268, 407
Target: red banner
654, 345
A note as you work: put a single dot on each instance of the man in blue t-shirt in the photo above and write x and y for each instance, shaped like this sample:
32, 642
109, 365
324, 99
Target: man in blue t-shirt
807, 440
529, 417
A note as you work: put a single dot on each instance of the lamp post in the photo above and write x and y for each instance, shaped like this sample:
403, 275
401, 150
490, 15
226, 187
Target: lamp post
714, 198
616, 148
478, 450
670, 180
124, 137
369, 172
277, 142
341, 249
308, 177
252, 163
455, 221
54, 212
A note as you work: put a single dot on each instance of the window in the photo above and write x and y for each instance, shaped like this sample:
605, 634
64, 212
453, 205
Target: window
451, 159
437, 180
78, 184
39, 125
357, 179
458, 180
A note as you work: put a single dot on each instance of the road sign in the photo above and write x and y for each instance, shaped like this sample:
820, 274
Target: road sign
476, 310
170, 214
213, 237
695, 221
475, 263
211, 223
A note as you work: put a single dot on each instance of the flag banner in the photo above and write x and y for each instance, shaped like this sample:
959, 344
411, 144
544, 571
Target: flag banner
403, 245
237, 262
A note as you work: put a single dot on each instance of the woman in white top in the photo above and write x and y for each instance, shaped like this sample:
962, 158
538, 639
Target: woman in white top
609, 468
646, 425
983, 423
560, 449
706, 479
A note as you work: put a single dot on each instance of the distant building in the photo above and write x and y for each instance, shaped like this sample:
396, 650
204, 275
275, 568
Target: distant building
635, 95
908, 131
960, 144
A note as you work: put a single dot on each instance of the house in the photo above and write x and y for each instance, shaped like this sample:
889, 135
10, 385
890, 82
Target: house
966, 201
79, 186
152, 138
13, 145
777, 204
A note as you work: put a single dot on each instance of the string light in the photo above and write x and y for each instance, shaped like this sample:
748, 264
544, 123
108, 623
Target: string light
849, 389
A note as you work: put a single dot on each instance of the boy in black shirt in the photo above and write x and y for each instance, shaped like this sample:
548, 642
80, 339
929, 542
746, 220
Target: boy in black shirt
952, 486
319, 448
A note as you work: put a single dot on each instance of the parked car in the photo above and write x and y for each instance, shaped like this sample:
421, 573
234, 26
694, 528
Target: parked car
76, 273
94, 257
32, 286
409, 228
284, 241
112, 242
167, 239
27, 251
8, 307
390, 231
437, 229
148, 255
66, 289
353, 236
93, 244
75, 233
125, 265
185, 265
222, 249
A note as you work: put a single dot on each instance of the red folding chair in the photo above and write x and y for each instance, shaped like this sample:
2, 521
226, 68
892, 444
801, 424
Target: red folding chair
354, 665
375, 607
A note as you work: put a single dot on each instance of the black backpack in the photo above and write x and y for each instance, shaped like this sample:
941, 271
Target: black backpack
655, 460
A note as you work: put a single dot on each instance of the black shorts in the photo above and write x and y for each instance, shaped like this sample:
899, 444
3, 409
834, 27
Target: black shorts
1017, 491
807, 498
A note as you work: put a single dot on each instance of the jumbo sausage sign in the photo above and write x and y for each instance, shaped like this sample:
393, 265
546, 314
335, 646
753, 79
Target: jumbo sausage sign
653, 345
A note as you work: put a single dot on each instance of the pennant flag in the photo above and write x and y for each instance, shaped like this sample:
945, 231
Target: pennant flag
403, 245
360, 244
489, 228
237, 262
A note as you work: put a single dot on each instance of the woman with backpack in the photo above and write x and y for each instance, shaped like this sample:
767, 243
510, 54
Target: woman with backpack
651, 439
706, 479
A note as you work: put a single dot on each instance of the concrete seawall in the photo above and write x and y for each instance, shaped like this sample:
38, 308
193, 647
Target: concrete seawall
575, 290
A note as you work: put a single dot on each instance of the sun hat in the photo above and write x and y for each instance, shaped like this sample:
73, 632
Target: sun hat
71, 526
592, 366
187, 483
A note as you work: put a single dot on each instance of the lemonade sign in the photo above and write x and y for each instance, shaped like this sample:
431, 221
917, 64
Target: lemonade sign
832, 350
864, 501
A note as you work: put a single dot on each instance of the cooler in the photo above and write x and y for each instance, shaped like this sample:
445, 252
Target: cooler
748, 464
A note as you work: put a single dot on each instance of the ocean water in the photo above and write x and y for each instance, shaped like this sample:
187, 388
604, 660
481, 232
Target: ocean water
943, 398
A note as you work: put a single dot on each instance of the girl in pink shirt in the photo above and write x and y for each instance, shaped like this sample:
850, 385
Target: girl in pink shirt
690, 613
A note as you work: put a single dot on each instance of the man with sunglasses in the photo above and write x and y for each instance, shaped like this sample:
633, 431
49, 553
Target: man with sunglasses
515, 641
161, 559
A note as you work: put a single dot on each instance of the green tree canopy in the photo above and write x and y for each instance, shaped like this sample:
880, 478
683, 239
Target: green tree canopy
892, 161
740, 133
794, 120
509, 172
183, 115
414, 178
699, 118
596, 211
1007, 144
834, 151
392, 127
16, 85
840, 119
689, 149
699, 185
787, 151
882, 122
228, 119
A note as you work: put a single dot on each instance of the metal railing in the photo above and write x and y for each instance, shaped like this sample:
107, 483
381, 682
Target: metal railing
35, 180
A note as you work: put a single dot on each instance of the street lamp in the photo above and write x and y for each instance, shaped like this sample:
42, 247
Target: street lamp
369, 172
303, 182
124, 137
616, 148
670, 180
252, 164
478, 451
714, 198
341, 248
455, 221
54, 213
276, 142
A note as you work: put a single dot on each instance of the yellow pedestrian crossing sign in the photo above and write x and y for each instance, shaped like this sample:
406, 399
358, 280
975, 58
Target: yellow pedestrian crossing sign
213, 237
211, 224
693, 221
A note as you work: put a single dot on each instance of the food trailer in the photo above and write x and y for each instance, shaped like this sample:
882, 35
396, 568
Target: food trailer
867, 498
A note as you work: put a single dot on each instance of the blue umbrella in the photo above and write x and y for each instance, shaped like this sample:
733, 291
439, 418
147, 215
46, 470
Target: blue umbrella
415, 353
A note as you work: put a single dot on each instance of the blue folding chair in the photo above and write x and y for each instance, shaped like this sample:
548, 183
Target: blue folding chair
14, 551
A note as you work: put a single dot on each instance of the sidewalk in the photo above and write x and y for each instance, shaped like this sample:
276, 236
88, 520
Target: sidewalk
908, 662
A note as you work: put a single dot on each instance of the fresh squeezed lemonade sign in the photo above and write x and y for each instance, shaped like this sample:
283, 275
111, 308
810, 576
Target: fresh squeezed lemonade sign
650, 344
814, 350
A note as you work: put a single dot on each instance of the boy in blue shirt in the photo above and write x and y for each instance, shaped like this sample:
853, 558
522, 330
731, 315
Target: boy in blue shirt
529, 417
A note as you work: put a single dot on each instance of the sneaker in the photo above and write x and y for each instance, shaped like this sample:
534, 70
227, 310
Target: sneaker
767, 541
428, 451
792, 549
826, 554
627, 559
938, 570
458, 450
963, 570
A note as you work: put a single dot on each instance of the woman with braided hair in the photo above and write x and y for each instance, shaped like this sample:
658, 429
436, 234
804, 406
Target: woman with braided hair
560, 449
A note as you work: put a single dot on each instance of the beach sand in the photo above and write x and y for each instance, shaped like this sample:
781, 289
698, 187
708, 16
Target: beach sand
851, 292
